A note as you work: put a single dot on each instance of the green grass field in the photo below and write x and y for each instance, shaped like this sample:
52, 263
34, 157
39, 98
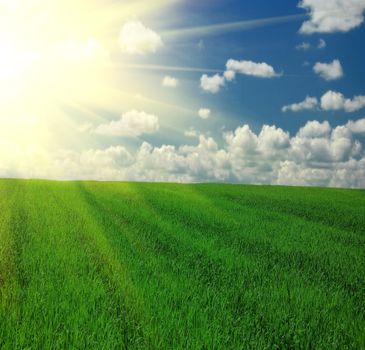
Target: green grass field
87, 265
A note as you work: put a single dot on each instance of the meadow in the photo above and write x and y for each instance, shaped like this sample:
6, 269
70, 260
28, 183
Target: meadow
92, 265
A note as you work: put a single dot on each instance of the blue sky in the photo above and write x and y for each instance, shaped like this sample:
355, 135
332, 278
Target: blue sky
187, 91
256, 101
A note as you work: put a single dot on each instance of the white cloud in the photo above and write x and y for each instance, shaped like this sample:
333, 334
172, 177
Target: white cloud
330, 101
357, 127
316, 155
204, 113
212, 84
169, 81
357, 103
315, 129
334, 101
329, 71
262, 70
229, 75
99, 164
272, 138
346, 174
303, 46
242, 140
135, 38
309, 103
328, 16
321, 44
192, 133
133, 123
320, 144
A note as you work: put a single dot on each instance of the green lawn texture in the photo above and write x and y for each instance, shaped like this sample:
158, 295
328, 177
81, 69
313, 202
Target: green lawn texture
89, 265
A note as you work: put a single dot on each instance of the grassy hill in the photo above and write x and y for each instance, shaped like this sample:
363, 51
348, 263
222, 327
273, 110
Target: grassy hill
86, 265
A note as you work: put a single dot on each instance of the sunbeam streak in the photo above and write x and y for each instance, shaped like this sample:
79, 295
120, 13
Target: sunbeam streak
221, 28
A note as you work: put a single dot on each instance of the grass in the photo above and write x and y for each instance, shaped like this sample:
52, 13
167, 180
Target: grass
87, 265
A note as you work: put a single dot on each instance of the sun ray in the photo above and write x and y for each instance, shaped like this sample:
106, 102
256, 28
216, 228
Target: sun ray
220, 28
166, 68
55, 53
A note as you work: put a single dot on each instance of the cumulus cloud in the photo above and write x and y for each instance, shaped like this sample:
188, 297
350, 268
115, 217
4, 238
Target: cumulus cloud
133, 123
135, 38
329, 71
330, 101
262, 70
169, 81
241, 140
204, 113
329, 16
354, 104
309, 103
357, 127
212, 84
272, 138
318, 154
99, 164
315, 129
334, 101
229, 75
323, 145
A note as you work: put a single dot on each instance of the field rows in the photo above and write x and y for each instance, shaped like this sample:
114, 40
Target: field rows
87, 265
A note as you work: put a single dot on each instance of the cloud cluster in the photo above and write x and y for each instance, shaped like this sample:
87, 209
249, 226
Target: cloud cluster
334, 101
133, 124
330, 101
329, 16
233, 67
329, 71
317, 154
135, 38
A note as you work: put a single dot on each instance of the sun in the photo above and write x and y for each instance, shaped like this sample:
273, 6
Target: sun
51, 54
59, 50
55, 57
49, 57
12, 60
